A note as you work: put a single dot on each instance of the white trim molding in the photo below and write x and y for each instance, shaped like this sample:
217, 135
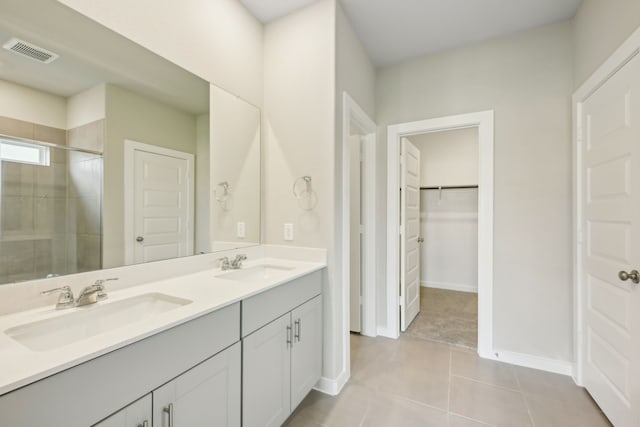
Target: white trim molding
332, 387
129, 194
354, 117
625, 53
484, 122
535, 362
460, 287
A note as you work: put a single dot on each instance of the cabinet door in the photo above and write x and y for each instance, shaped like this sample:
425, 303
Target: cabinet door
134, 415
207, 395
266, 374
306, 353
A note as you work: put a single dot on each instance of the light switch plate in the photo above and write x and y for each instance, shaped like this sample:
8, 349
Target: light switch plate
288, 231
241, 230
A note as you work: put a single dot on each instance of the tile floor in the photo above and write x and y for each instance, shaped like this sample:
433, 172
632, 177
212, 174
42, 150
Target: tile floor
414, 381
447, 316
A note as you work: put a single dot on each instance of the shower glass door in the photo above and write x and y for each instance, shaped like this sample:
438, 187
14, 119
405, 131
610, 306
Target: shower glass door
50, 210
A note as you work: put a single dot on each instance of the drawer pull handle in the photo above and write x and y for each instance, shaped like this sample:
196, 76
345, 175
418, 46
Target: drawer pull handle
297, 334
289, 343
145, 423
169, 410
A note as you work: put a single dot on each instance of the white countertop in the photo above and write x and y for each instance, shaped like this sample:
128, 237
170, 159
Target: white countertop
20, 365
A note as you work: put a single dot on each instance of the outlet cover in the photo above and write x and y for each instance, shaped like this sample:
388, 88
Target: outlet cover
241, 230
288, 231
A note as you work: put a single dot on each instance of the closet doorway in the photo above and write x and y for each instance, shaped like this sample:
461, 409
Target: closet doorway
448, 230
481, 124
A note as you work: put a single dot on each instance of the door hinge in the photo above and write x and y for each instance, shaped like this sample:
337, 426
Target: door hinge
401, 230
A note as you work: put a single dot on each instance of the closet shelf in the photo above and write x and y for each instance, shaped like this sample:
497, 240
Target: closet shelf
448, 187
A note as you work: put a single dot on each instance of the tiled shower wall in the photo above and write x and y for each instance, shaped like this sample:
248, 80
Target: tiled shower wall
84, 212
50, 216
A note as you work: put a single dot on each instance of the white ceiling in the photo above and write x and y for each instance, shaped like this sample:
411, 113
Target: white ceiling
393, 31
268, 10
89, 55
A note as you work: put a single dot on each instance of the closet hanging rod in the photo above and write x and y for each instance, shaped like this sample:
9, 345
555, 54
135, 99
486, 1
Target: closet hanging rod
448, 187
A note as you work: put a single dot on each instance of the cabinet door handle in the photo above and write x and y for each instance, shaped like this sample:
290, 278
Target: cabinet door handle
145, 423
289, 343
169, 410
297, 330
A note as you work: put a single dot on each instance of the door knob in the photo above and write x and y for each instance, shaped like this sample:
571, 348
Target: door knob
420, 239
633, 275
139, 239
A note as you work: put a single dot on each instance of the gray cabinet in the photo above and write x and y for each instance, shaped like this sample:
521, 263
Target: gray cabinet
306, 350
281, 363
138, 414
100, 387
266, 388
207, 395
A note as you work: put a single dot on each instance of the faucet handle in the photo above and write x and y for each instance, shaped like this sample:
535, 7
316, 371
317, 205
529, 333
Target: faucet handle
237, 261
99, 282
224, 262
66, 296
101, 294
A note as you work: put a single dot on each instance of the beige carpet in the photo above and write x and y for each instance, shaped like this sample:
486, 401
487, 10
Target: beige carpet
447, 316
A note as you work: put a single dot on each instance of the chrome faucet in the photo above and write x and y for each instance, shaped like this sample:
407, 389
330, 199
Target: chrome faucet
65, 300
224, 263
89, 295
236, 263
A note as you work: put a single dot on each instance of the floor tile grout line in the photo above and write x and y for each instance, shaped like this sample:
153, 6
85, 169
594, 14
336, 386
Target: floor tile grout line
524, 396
364, 414
407, 399
472, 419
517, 390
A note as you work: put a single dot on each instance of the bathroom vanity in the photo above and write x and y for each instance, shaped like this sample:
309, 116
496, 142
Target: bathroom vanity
237, 347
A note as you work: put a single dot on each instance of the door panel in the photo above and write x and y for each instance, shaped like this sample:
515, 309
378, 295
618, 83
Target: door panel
207, 395
611, 216
162, 208
409, 245
306, 353
266, 377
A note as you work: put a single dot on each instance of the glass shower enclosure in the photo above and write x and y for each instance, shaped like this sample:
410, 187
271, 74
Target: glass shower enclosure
50, 210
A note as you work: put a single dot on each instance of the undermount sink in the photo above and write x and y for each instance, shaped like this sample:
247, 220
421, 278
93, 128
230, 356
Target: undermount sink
88, 321
257, 272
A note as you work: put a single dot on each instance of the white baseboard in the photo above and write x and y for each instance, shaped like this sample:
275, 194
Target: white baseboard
332, 386
562, 367
450, 286
387, 333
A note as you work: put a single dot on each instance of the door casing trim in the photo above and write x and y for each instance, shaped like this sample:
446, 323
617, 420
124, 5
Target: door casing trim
483, 120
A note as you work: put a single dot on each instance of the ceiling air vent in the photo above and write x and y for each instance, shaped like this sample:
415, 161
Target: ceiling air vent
30, 50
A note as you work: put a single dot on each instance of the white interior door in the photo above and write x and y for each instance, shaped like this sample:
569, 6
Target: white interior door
410, 232
355, 237
610, 306
161, 215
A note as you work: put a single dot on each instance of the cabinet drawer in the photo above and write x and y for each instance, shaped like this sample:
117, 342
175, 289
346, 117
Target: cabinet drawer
261, 309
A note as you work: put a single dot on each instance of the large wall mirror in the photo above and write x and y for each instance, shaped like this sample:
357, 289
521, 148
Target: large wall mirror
111, 155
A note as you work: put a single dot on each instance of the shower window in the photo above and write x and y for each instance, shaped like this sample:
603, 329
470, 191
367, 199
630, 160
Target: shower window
24, 152
50, 210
